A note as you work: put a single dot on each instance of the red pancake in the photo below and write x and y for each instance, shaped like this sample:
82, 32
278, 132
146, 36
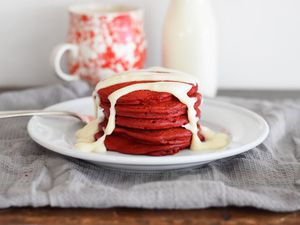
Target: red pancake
167, 136
171, 108
152, 124
139, 97
128, 146
157, 110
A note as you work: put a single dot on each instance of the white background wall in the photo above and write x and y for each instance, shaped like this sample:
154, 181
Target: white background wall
259, 40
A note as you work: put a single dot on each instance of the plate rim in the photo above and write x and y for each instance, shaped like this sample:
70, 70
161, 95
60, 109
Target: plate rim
162, 160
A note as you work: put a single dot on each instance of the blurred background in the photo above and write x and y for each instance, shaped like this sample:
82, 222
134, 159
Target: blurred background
259, 40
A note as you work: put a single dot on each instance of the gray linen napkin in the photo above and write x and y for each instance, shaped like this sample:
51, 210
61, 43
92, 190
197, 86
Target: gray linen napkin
266, 177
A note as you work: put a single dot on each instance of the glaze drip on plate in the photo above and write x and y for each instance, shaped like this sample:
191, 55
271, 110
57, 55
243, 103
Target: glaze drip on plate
157, 80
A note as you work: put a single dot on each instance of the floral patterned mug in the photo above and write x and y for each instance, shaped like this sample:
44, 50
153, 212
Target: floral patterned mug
102, 40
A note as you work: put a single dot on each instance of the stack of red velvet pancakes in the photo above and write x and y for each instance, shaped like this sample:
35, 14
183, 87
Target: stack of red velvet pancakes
147, 122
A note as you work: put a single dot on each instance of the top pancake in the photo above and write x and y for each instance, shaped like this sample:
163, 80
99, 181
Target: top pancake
147, 104
138, 97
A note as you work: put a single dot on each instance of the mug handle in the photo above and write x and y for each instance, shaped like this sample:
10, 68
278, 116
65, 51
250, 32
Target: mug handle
58, 53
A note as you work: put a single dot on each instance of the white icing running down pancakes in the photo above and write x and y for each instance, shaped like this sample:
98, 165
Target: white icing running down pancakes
164, 80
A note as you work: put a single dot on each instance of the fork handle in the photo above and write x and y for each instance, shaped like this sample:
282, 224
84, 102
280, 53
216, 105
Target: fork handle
19, 113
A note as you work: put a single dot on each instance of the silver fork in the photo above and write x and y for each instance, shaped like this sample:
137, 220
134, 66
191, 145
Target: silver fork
20, 113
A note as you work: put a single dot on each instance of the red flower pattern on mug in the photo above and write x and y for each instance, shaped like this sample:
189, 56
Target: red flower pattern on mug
112, 44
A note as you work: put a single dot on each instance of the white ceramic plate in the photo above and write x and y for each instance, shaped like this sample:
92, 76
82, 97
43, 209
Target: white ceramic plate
245, 128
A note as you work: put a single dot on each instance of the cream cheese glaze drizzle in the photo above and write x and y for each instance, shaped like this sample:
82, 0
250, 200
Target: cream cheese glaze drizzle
152, 74
163, 81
